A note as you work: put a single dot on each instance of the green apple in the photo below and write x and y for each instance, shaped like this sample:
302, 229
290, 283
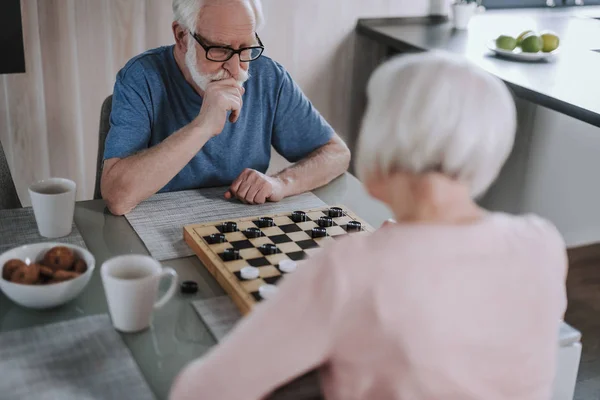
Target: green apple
522, 36
550, 42
532, 44
506, 43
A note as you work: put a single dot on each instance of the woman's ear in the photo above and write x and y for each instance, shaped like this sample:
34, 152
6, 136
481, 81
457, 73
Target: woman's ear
375, 186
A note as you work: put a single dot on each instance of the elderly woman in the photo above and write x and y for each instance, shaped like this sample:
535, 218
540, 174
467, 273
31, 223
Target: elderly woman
452, 302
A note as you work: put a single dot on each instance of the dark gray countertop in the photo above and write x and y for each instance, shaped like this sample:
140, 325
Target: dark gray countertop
569, 83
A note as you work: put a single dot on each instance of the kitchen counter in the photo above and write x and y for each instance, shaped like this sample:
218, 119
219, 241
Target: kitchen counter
569, 83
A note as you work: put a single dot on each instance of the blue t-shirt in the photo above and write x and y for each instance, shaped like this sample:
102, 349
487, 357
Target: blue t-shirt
152, 100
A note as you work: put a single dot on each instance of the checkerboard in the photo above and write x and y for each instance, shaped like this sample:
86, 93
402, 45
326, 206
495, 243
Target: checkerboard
292, 240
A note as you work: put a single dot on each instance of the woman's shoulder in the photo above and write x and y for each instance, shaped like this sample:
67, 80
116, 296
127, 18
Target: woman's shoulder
530, 225
533, 238
526, 231
529, 232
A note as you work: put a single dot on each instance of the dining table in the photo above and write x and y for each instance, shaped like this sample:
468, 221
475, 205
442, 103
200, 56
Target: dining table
177, 335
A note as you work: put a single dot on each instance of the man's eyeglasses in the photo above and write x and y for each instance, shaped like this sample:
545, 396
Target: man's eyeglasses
223, 53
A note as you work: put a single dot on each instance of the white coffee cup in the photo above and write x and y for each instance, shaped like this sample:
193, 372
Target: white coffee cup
131, 286
53, 203
462, 14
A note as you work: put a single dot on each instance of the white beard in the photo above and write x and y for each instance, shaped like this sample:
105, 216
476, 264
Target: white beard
203, 80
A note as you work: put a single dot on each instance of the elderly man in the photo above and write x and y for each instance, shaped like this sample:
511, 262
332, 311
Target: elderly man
206, 111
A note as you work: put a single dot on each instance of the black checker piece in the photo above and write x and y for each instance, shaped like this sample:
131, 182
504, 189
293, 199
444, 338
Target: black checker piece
264, 222
226, 227
230, 255
268, 249
299, 216
325, 222
253, 233
317, 232
336, 212
215, 238
353, 226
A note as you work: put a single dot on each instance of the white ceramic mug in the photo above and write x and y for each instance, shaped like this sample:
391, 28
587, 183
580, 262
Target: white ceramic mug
462, 14
53, 203
439, 7
131, 285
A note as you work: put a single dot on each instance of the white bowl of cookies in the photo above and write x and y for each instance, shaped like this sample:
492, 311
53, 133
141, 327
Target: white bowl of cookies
45, 275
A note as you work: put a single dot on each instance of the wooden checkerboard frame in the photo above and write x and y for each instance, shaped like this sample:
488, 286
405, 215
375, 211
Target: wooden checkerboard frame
292, 239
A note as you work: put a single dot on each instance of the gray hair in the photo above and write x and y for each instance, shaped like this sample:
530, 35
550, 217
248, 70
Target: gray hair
436, 112
186, 12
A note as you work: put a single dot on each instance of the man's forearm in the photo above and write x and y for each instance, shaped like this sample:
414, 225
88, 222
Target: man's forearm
316, 170
133, 179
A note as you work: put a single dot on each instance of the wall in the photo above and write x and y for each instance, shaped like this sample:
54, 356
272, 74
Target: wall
551, 173
314, 40
561, 183
74, 48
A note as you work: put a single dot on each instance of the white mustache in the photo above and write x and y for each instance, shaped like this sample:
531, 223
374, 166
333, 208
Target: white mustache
224, 74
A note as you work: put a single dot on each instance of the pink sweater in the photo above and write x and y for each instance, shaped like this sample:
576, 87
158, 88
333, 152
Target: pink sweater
412, 312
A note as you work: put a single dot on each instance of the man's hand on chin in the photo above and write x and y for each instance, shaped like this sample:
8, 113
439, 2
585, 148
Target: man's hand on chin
253, 187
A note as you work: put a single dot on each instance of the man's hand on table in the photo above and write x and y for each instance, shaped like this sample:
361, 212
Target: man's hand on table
253, 187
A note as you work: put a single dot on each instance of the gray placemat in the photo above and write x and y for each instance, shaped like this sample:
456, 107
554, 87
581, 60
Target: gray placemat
159, 221
219, 315
18, 227
78, 359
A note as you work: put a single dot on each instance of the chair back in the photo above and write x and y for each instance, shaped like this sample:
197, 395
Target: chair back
8, 192
103, 132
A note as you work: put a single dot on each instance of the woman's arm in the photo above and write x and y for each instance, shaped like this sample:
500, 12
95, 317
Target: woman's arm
281, 339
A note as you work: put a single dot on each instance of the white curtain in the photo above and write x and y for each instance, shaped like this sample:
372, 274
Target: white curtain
49, 116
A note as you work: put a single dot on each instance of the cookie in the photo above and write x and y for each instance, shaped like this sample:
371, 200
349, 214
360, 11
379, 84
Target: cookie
61, 276
26, 274
80, 266
10, 267
46, 272
59, 258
